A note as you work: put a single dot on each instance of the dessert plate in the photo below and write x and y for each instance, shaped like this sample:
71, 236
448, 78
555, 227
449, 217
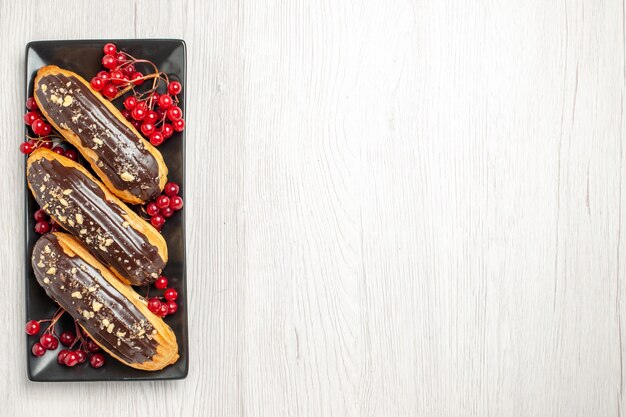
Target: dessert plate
84, 57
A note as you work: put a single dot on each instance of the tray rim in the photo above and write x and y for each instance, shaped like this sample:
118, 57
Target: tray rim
148, 376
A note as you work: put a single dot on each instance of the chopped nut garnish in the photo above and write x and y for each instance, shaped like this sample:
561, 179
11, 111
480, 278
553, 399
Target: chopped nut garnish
98, 141
125, 224
108, 242
67, 101
44, 87
126, 176
64, 202
96, 305
110, 328
79, 218
105, 322
120, 333
73, 271
46, 249
46, 281
92, 289
51, 271
71, 222
77, 294
67, 192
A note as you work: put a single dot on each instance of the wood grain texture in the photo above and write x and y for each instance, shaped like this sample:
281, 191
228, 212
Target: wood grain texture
398, 208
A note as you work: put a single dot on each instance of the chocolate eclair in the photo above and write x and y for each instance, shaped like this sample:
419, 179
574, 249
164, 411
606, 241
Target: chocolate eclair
110, 312
83, 206
129, 165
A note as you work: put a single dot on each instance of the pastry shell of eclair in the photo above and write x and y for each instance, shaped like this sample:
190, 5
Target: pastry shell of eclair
88, 153
167, 346
154, 237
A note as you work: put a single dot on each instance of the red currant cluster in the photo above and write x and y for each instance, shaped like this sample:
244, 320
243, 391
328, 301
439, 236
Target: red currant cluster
44, 223
164, 206
156, 116
70, 357
122, 73
44, 137
166, 305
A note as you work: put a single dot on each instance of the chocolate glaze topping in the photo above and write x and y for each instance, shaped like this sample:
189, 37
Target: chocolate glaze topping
104, 312
80, 207
122, 156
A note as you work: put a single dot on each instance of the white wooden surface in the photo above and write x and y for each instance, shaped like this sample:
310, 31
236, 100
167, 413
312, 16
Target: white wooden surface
397, 208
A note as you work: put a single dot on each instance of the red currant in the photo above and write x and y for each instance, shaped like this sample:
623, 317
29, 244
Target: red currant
179, 125
143, 105
91, 346
130, 102
136, 123
138, 113
120, 58
104, 76
160, 113
42, 227
166, 212
109, 90
172, 307
160, 283
38, 349
71, 359
96, 360
126, 114
108, 61
167, 130
82, 356
49, 341
152, 209
176, 203
154, 305
151, 117
31, 104
165, 101
129, 70
174, 88
163, 310
170, 294
72, 154
61, 356
46, 144
137, 78
147, 129
171, 189
32, 327
38, 126
46, 129
174, 113
117, 78
58, 150
162, 201
27, 147
30, 117
40, 216
97, 83
157, 221
110, 49
156, 138
67, 338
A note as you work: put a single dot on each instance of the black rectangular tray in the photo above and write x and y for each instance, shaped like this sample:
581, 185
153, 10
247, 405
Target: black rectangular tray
84, 57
